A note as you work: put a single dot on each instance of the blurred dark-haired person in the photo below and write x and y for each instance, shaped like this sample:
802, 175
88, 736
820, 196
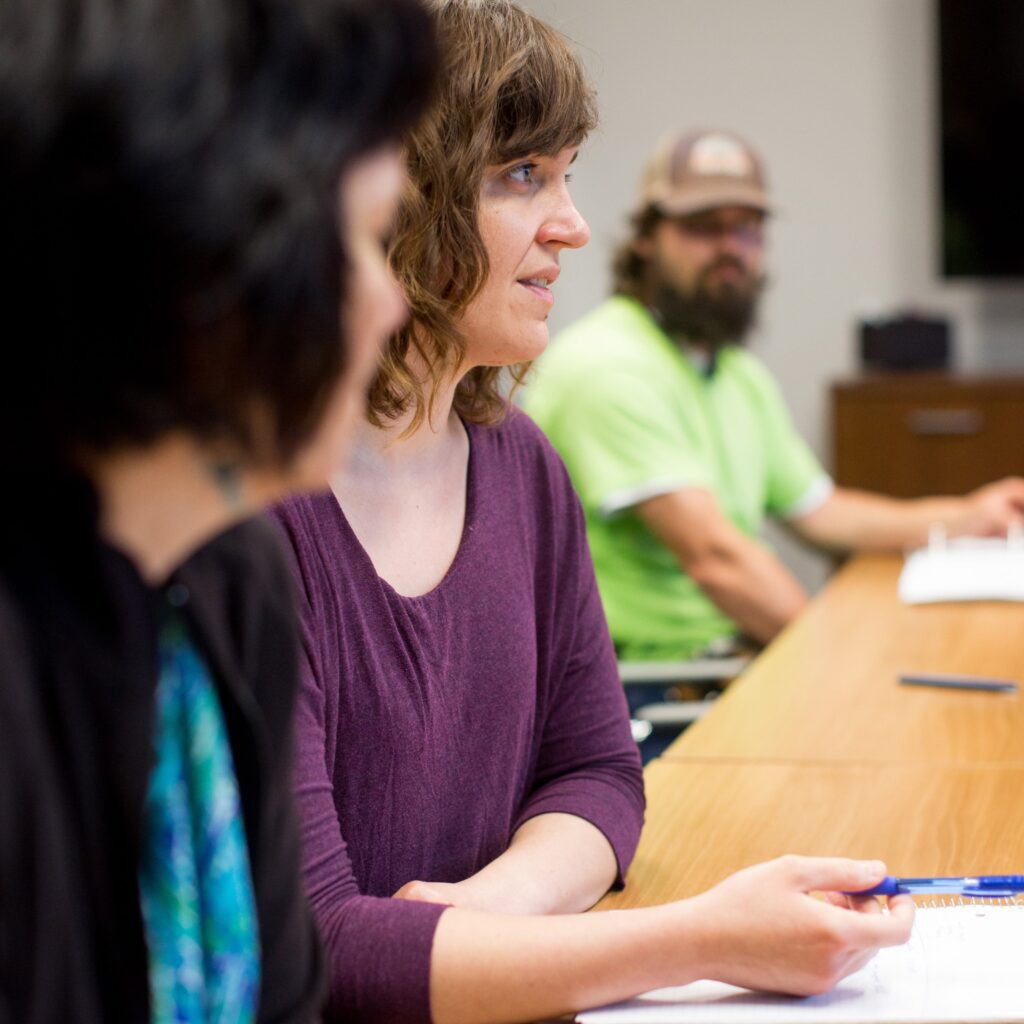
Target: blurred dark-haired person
677, 439
195, 198
463, 742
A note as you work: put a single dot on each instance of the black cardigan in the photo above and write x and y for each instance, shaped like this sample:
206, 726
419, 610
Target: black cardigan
78, 670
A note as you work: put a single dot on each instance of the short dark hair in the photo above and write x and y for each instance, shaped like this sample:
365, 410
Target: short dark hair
168, 188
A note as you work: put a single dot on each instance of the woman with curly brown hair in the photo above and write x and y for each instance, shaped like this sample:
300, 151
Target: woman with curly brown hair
463, 742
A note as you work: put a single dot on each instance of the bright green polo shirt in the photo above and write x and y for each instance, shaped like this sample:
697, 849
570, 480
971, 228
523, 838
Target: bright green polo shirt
634, 417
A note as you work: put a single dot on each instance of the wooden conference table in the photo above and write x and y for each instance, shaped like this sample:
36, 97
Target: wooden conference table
817, 749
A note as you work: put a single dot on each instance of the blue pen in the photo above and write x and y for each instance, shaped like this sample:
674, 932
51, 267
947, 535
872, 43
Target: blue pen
978, 887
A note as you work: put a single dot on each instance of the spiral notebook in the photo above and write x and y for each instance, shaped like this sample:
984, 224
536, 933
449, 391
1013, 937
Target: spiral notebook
963, 963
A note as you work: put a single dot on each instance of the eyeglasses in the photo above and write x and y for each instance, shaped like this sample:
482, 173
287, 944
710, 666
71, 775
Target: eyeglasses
710, 227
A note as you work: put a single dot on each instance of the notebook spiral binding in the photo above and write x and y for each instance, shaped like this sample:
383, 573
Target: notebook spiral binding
934, 902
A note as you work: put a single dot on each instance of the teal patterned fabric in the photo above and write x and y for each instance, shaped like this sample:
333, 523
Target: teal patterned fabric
195, 883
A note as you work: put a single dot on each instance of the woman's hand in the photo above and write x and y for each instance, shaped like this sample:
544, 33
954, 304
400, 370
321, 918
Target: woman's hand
449, 893
761, 929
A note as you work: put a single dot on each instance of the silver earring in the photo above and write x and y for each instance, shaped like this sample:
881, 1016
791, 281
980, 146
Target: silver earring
227, 476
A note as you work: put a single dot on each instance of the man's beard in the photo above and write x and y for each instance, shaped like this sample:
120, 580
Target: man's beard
715, 316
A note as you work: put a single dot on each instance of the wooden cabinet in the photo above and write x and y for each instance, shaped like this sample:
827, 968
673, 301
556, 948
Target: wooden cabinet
917, 434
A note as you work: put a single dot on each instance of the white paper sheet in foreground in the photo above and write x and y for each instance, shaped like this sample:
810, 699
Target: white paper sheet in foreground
963, 963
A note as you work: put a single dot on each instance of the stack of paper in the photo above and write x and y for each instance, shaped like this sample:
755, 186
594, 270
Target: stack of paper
967, 569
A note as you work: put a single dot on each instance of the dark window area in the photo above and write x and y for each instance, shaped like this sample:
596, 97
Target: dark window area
981, 79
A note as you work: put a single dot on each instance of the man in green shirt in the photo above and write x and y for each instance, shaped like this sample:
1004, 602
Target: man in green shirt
678, 440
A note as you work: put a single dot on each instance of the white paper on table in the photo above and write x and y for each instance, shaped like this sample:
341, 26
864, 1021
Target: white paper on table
964, 569
963, 963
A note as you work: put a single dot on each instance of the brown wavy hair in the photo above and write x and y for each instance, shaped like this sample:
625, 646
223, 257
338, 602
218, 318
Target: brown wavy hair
511, 87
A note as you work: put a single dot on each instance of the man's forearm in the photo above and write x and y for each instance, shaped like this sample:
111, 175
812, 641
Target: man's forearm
859, 520
746, 581
751, 586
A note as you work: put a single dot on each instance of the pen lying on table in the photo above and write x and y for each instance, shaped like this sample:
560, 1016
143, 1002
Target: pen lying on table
979, 887
949, 681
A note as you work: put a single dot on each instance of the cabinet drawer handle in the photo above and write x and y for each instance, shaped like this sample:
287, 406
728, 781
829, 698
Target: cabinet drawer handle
945, 422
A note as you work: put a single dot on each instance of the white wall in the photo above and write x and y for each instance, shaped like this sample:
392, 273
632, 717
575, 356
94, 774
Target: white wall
839, 96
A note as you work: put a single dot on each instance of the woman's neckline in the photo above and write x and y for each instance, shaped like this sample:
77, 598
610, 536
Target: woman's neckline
465, 539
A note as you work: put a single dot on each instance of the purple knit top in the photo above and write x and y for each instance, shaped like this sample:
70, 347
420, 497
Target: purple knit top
430, 728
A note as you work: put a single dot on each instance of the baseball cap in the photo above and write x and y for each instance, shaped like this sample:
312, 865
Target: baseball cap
695, 171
